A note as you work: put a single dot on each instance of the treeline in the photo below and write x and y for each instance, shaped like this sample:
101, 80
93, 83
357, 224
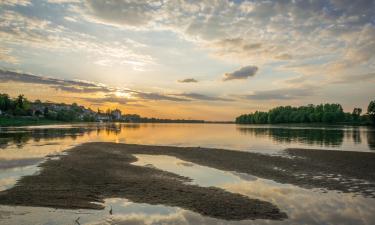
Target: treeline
323, 113
158, 120
21, 110
21, 107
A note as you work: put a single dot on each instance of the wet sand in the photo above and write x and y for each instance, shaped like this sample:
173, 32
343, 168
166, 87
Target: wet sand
92, 172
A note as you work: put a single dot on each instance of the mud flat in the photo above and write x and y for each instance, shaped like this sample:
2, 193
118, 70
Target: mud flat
92, 172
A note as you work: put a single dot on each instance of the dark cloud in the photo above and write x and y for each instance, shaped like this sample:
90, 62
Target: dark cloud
157, 96
88, 87
122, 13
196, 96
75, 89
188, 80
248, 47
109, 99
241, 74
64, 85
280, 94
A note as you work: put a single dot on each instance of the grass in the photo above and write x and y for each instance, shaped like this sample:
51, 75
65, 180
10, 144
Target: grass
23, 121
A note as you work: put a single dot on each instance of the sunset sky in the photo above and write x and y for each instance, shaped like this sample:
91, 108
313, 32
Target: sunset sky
189, 59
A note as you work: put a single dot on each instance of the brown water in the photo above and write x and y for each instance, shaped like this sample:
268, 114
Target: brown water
22, 149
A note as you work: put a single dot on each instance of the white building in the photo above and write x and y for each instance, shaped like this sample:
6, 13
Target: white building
116, 114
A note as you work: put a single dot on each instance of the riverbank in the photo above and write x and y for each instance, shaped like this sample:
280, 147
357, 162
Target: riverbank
20, 121
92, 172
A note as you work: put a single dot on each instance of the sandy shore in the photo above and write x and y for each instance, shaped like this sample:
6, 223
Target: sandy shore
91, 172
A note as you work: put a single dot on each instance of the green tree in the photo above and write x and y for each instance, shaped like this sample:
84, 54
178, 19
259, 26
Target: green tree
21, 106
356, 114
5, 102
327, 113
371, 111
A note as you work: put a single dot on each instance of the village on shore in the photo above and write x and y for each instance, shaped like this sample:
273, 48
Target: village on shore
21, 108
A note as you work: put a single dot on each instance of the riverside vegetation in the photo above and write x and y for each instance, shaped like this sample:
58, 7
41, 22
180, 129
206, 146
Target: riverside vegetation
323, 113
20, 111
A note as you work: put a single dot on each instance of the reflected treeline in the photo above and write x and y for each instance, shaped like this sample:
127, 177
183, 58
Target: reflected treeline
371, 140
20, 137
321, 137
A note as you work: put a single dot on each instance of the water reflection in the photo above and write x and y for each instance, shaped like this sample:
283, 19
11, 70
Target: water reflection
21, 136
371, 140
302, 206
325, 137
238, 137
321, 137
356, 135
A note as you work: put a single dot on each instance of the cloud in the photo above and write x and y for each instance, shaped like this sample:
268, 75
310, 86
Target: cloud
108, 99
112, 94
5, 56
188, 80
63, 1
78, 86
20, 30
15, 2
237, 46
241, 74
280, 94
352, 78
284, 56
157, 97
78, 89
260, 31
196, 96
74, 86
123, 13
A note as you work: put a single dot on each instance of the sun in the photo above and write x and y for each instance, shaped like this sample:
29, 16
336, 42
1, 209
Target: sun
123, 94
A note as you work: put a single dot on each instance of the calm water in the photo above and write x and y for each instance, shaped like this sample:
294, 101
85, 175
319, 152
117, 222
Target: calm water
22, 149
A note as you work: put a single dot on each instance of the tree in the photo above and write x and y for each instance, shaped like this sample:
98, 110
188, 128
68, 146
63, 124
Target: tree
21, 106
327, 113
20, 101
356, 114
46, 111
5, 102
371, 111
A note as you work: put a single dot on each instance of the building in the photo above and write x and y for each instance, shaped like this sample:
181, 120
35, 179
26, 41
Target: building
116, 114
103, 117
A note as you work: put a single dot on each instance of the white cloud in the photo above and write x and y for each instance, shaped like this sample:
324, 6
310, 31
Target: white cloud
18, 29
5, 56
260, 31
15, 2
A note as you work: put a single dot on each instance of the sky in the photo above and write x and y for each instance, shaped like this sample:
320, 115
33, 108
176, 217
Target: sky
208, 59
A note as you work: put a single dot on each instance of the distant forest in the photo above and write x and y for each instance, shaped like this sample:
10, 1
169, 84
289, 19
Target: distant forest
323, 113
